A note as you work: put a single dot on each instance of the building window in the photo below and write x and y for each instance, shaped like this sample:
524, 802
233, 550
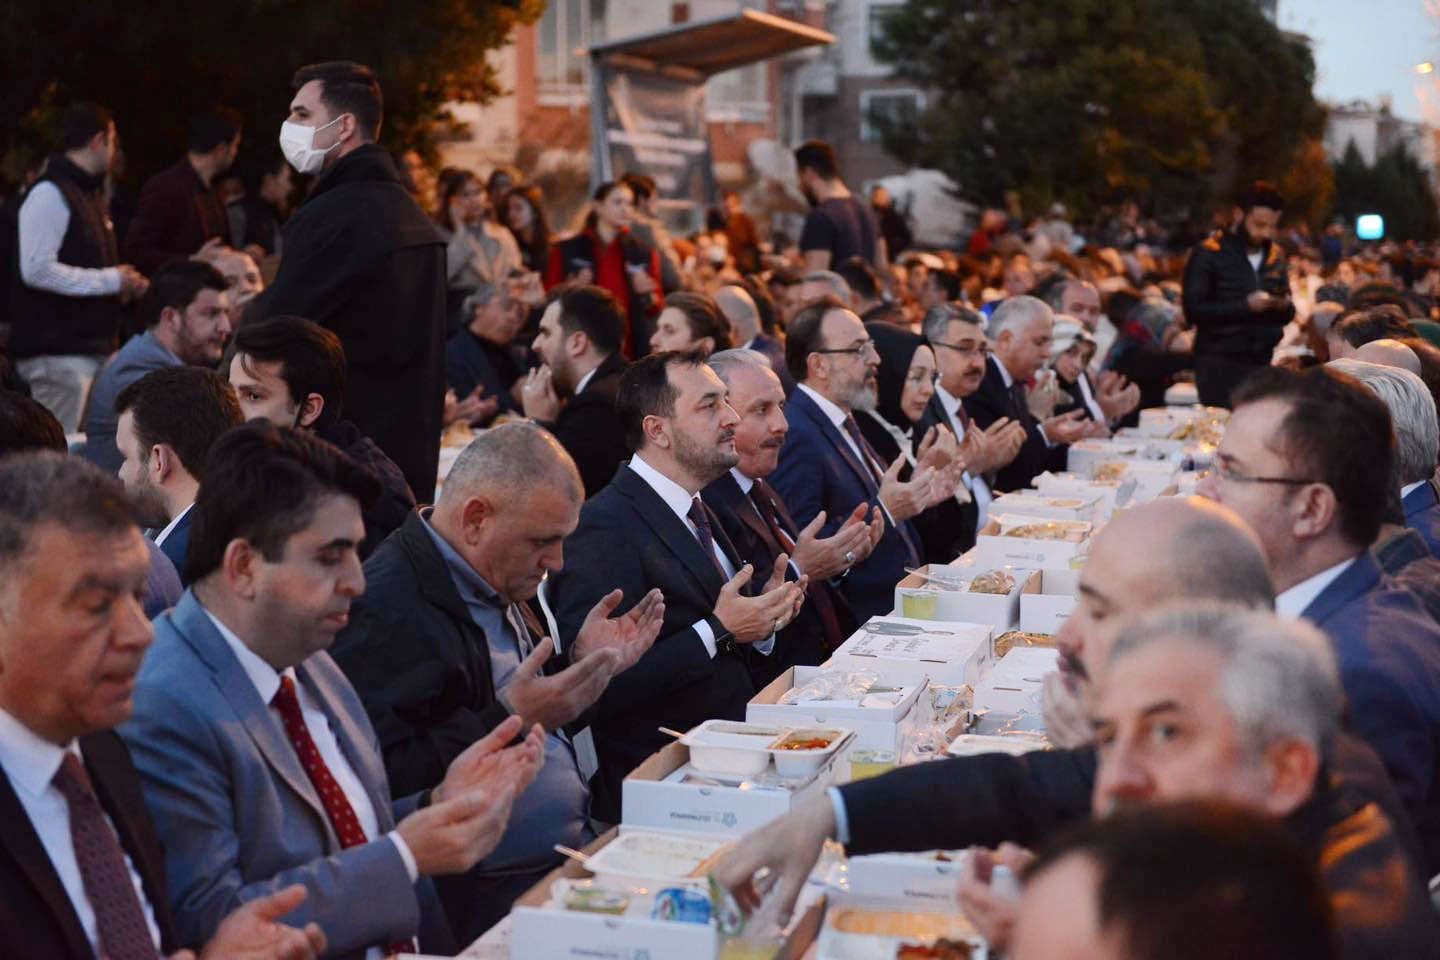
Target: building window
897, 106
879, 14
565, 31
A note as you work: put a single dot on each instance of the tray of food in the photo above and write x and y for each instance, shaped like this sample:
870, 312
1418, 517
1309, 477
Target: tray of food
729, 748
860, 933
652, 856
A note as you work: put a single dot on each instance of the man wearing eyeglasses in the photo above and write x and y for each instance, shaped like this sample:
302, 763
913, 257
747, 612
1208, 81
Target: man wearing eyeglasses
826, 464
1307, 460
957, 336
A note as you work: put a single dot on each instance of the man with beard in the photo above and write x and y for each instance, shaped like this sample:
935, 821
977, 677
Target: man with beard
1237, 294
648, 529
839, 226
187, 321
826, 464
169, 419
573, 393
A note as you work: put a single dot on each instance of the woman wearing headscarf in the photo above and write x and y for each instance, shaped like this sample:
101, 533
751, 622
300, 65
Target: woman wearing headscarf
1071, 351
905, 384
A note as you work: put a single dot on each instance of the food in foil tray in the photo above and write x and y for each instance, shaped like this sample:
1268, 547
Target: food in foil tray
1053, 530
996, 581
1109, 470
1065, 504
941, 949
1015, 638
927, 927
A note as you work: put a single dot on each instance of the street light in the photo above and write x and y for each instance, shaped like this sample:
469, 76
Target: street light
1426, 67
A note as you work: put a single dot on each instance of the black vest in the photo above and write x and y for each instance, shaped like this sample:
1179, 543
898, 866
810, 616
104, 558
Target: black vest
47, 324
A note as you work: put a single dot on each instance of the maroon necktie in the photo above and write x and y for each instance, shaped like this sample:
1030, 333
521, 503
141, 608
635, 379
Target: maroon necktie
119, 917
816, 592
872, 461
337, 805
701, 518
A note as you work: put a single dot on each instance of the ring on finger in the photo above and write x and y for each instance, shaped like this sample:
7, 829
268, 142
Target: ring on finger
849, 558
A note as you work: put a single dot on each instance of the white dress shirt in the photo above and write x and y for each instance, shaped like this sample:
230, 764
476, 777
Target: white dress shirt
267, 684
44, 218
1088, 398
170, 528
1290, 604
585, 382
31, 763
678, 499
1410, 488
977, 486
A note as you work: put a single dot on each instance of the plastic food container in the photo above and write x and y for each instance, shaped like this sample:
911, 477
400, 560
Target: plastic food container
724, 746
801, 752
654, 857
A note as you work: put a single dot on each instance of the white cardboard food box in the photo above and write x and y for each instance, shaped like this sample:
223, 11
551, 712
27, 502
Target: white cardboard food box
992, 549
1084, 454
1152, 478
996, 611
1033, 503
1111, 493
903, 651
1047, 609
876, 728
915, 879
1014, 684
654, 795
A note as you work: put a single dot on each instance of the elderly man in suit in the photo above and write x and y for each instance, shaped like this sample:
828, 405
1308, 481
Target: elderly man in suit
826, 464
649, 528
1308, 460
761, 528
573, 393
259, 764
1020, 333
82, 872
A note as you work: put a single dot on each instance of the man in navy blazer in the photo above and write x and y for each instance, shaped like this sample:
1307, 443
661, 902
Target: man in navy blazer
649, 528
826, 463
258, 762
169, 419
66, 684
1020, 334
1308, 459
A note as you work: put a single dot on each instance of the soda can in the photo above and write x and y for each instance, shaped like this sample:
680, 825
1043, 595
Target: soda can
681, 904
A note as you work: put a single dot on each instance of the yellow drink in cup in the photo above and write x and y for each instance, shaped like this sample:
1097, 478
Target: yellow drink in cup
919, 603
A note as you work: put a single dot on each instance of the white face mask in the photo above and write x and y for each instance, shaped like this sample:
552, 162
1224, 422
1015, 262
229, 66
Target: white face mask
297, 142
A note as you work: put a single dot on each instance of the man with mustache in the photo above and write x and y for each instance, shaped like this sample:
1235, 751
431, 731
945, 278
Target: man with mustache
760, 525
1237, 294
649, 528
826, 464
258, 762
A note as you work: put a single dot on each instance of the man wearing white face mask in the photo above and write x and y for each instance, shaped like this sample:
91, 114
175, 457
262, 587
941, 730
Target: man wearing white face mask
362, 260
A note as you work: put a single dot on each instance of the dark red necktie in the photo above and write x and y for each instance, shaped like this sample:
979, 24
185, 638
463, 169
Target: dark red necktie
332, 797
867, 453
119, 917
701, 518
816, 592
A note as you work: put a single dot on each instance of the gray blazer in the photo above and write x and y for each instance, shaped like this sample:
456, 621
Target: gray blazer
235, 810
139, 356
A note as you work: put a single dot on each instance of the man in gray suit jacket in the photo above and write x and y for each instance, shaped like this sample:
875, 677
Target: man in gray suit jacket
258, 762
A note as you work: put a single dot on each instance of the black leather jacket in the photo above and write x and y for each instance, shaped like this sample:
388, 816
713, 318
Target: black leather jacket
1218, 279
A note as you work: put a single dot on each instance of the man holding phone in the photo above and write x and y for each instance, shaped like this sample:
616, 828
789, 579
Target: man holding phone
1237, 295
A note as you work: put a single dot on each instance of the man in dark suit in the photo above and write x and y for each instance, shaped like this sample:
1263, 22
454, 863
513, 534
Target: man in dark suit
169, 419
573, 393
739, 308
761, 528
826, 465
363, 260
1020, 332
442, 648
1308, 459
82, 872
957, 336
284, 780
649, 529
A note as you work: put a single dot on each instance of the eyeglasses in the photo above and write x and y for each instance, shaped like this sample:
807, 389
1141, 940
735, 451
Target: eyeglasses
981, 350
858, 350
1224, 471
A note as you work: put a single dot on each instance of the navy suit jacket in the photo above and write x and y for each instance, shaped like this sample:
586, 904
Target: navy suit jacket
177, 543
629, 539
1388, 652
818, 471
1422, 514
995, 400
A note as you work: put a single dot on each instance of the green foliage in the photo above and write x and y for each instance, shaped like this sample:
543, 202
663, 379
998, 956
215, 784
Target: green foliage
153, 64
1097, 101
1396, 187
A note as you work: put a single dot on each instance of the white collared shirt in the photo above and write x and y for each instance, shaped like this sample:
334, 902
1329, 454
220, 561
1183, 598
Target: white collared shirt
267, 683
30, 763
837, 415
678, 499
1290, 604
1410, 488
1006, 376
1088, 398
170, 528
977, 486
585, 381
